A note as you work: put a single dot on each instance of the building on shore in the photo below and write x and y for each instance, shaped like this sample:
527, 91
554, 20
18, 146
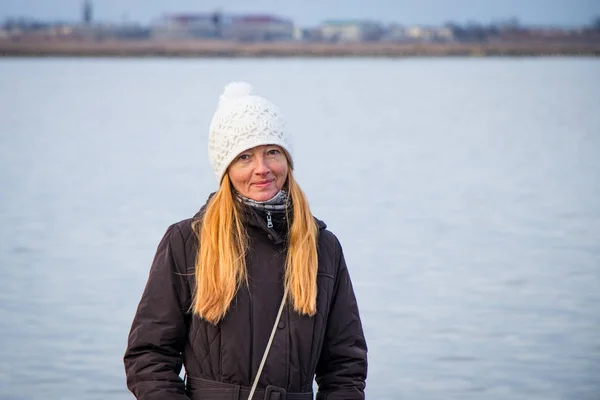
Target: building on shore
223, 26
350, 31
109, 31
260, 28
417, 34
186, 26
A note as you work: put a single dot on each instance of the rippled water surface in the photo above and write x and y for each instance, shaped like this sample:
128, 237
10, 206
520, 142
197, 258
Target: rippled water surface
466, 194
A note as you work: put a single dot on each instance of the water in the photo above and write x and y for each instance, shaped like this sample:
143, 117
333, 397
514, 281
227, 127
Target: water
465, 193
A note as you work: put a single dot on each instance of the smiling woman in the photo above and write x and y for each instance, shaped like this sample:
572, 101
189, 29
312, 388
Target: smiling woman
259, 173
252, 295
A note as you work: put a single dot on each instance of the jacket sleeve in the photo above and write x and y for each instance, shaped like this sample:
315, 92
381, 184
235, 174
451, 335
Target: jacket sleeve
342, 367
153, 357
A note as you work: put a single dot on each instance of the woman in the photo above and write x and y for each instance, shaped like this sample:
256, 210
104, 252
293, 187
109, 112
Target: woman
252, 294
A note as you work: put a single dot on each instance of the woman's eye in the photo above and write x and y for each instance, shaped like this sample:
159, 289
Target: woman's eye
273, 152
244, 157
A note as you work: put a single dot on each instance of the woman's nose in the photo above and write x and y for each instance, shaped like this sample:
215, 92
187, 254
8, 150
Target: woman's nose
262, 166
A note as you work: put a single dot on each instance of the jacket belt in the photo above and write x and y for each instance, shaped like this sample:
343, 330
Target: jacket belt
198, 388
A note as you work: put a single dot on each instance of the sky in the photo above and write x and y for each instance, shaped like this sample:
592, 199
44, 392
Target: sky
565, 13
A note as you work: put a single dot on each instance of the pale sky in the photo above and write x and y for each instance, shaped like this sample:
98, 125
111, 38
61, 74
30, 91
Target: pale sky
311, 12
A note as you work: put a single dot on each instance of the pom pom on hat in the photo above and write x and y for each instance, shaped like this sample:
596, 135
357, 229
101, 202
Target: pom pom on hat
236, 90
243, 121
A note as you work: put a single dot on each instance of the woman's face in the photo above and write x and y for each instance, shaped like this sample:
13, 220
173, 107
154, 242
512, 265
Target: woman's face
259, 173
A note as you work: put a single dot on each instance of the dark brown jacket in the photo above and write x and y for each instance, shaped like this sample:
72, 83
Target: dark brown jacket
164, 335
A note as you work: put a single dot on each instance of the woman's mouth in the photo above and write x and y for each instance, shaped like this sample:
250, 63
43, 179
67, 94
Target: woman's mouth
262, 184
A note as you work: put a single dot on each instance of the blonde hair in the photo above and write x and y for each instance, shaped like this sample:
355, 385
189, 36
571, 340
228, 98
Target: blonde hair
221, 257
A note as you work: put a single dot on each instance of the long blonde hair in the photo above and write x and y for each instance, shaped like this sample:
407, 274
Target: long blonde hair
221, 257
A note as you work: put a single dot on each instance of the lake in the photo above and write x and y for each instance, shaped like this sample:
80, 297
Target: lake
465, 192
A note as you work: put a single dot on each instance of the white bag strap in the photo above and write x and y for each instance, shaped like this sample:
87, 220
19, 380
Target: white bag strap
264, 358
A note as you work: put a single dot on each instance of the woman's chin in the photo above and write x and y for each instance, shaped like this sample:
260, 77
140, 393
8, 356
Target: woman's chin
262, 195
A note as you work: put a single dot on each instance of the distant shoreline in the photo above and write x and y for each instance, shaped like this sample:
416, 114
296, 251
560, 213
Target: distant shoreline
226, 49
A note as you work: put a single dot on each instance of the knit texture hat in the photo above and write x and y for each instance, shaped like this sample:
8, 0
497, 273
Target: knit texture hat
243, 121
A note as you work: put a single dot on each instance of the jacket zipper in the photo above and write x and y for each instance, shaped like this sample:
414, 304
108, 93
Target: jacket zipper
269, 220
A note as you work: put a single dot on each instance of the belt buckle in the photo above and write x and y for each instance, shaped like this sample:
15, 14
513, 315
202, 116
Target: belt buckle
275, 393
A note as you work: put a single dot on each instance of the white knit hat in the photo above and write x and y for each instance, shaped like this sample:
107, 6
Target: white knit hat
243, 121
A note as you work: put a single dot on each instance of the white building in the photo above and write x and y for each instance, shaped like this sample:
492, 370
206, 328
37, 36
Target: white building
351, 31
419, 33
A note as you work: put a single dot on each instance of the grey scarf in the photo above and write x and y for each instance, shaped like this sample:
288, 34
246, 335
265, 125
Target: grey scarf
279, 202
